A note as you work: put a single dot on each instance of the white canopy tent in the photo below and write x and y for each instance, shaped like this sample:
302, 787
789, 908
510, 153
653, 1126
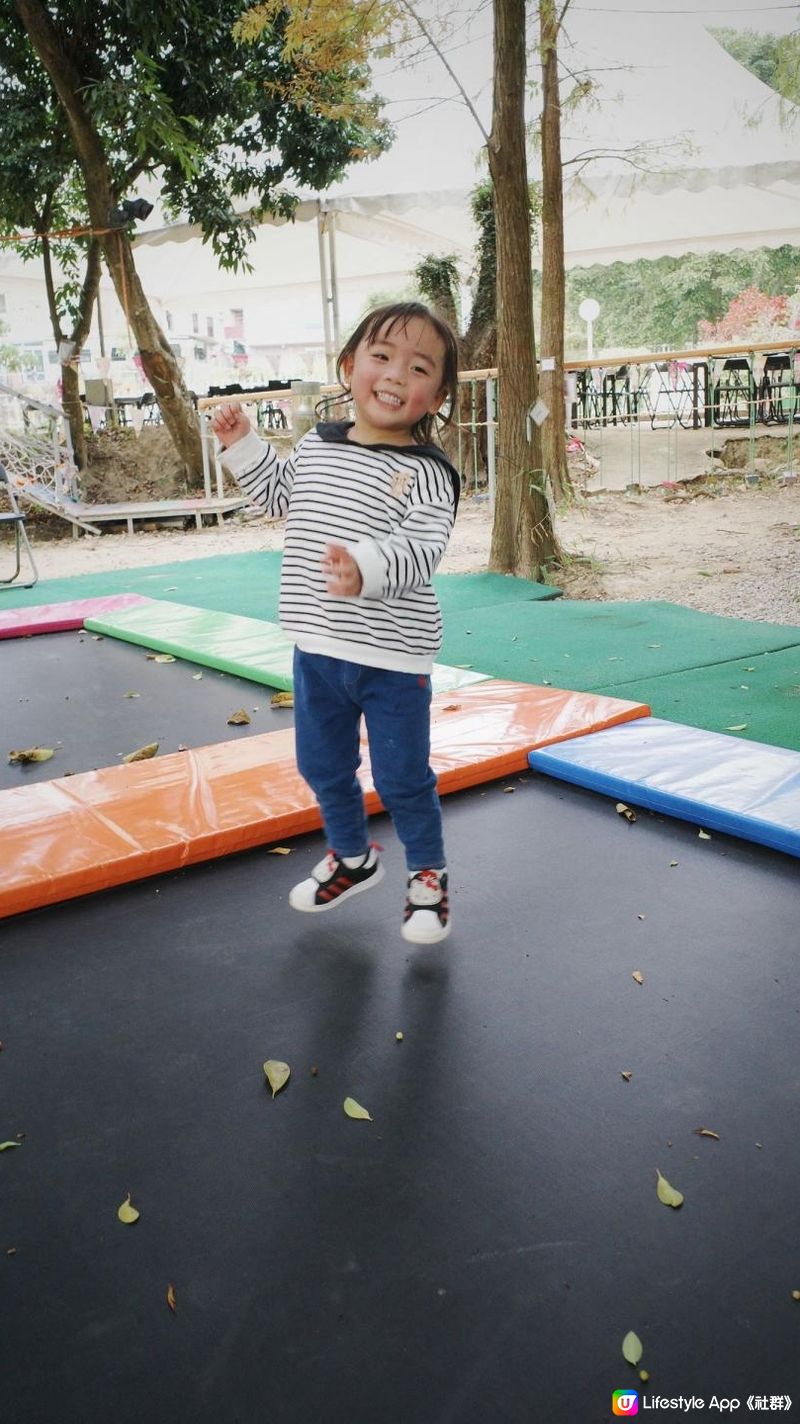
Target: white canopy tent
689, 153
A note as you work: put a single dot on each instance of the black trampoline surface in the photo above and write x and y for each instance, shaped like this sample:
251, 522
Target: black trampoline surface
476, 1253
68, 691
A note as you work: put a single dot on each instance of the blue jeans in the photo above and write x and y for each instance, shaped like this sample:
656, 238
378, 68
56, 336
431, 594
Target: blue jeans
330, 696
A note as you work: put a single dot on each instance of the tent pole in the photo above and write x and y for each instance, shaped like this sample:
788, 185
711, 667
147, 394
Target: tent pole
330, 362
331, 225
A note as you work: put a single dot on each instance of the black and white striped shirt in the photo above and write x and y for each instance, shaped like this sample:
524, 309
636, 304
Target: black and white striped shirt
392, 506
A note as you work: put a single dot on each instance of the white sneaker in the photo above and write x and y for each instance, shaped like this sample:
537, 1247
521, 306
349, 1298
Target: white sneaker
427, 914
332, 881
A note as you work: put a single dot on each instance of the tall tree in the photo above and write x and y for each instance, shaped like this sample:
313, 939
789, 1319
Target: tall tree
523, 538
551, 376
38, 191
169, 90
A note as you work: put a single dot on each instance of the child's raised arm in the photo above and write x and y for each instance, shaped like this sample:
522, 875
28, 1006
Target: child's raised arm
230, 424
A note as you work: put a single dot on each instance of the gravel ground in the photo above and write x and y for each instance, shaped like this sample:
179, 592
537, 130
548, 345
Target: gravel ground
730, 550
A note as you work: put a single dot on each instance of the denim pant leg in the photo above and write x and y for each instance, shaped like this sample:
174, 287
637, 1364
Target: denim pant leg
397, 711
327, 724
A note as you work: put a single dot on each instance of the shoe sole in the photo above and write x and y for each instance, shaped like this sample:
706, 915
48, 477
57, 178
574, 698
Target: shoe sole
426, 939
345, 895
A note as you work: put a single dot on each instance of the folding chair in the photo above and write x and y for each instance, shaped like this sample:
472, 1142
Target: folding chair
15, 518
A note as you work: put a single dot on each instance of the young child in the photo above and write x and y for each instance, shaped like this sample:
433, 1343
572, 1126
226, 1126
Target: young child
370, 505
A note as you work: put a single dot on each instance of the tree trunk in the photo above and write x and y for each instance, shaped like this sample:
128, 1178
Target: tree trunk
523, 539
158, 360
551, 381
70, 394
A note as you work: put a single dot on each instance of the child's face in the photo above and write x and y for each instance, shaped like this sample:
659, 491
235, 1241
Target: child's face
396, 380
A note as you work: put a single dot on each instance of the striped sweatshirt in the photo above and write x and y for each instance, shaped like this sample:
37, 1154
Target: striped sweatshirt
391, 506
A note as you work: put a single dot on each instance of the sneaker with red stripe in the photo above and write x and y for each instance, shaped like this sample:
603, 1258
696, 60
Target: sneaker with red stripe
332, 881
427, 913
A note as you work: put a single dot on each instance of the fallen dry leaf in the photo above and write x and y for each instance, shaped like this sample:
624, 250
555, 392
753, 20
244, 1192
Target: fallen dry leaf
143, 753
4, 1146
171, 1301
239, 719
132, 694
277, 1074
632, 1348
279, 850
667, 1193
30, 754
623, 810
626, 1074
704, 836
127, 1213
282, 699
160, 658
638, 976
354, 1109
705, 1132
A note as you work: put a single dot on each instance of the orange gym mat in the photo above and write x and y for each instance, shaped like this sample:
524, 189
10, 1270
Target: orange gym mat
78, 834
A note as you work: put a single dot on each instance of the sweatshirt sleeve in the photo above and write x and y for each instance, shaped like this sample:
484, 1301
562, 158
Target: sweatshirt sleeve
409, 556
260, 473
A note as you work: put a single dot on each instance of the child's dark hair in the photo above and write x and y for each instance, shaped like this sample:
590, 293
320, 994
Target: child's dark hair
387, 318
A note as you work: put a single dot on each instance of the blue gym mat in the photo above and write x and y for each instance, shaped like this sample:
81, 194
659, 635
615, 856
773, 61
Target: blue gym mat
721, 783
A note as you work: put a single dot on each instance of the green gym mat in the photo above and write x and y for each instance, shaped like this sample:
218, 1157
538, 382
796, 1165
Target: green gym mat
757, 698
248, 647
595, 647
248, 584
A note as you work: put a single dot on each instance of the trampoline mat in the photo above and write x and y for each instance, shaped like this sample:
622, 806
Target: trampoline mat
477, 1252
70, 692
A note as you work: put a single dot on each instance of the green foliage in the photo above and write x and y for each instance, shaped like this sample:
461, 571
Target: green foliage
438, 281
774, 59
651, 304
171, 92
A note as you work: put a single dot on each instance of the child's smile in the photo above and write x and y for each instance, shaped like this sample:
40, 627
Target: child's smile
395, 381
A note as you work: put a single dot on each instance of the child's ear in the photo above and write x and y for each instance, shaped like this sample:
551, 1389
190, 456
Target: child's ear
439, 401
347, 368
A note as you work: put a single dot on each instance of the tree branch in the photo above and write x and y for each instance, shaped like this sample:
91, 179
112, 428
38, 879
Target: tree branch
440, 55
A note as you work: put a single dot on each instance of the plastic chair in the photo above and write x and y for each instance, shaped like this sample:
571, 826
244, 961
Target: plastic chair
734, 397
14, 518
778, 392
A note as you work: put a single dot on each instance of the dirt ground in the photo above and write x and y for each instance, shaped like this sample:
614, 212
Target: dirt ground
718, 544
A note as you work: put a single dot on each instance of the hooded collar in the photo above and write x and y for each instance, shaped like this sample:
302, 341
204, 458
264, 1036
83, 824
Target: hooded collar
334, 432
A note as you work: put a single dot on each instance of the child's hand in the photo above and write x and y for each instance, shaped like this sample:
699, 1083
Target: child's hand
342, 574
230, 423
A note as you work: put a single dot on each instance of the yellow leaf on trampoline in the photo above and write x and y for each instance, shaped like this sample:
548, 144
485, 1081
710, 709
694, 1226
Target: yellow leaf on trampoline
739, 727
282, 699
354, 1109
623, 810
4, 1146
704, 836
160, 658
632, 1348
143, 753
127, 1213
30, 754
638, 976
171, 1301
277, 1074
705, 1132
132, 694
626, 1074
197, 677
279, 850
666, 1193
239, 719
